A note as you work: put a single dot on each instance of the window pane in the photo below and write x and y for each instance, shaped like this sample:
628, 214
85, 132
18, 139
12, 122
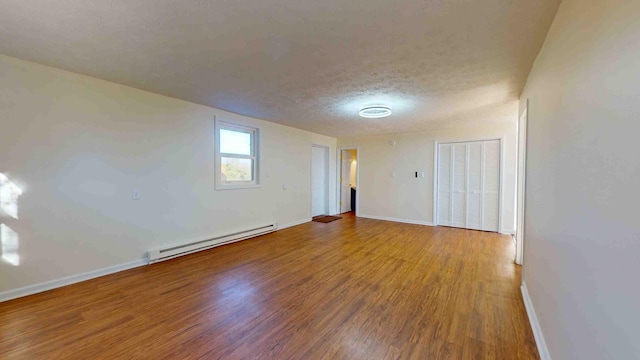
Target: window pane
235, 142
234, 169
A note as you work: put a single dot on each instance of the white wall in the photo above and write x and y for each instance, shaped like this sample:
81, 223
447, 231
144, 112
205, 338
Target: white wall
78, 146
406, 198
353, 167
582, 229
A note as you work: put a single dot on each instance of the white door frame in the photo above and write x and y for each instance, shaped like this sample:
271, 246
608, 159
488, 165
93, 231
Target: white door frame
339, 183
436, 144
521, 182
326, 177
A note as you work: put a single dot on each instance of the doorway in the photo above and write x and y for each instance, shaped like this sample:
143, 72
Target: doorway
348, 180
319, 180
520, 197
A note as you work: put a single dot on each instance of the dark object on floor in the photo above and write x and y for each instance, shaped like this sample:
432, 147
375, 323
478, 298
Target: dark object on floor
325, 218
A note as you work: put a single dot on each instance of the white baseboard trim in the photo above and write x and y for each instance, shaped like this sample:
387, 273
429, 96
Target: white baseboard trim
68, 280
416, 222
507, 232
535, 325
294, 223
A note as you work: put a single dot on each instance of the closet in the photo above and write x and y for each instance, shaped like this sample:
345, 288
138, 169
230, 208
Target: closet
468, 185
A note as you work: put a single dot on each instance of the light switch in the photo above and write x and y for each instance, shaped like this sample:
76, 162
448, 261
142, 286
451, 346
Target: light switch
135, 195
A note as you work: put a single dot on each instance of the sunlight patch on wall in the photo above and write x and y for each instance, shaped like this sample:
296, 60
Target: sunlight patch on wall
9, 241
9, 194
10, 244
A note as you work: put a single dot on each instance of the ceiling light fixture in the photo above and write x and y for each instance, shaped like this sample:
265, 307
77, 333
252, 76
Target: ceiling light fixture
374, 112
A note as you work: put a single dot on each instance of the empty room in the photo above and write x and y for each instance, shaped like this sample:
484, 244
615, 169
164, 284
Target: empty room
280, 179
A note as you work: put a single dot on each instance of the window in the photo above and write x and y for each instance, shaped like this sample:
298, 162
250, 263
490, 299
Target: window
237, 160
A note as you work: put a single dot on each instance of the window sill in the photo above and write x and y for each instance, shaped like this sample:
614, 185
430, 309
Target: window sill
237, 186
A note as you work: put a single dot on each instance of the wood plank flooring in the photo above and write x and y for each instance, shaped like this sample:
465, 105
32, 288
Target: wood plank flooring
350, 289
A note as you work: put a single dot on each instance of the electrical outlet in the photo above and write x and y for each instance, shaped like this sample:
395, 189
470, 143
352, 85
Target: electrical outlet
284, 186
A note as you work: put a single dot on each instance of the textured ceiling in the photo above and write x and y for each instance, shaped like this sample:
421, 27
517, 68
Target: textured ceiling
310, 64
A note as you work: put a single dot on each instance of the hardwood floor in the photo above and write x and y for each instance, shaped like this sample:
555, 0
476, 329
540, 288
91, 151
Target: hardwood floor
350, 289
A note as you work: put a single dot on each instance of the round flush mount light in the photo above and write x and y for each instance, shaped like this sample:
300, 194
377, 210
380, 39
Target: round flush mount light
374, 112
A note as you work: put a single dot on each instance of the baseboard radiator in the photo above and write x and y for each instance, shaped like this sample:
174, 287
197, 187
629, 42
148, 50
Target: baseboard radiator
179, 250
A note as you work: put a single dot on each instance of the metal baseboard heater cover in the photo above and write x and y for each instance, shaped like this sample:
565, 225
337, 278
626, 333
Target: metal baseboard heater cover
179, 250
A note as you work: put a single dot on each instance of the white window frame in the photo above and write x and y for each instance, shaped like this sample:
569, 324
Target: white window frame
223, 124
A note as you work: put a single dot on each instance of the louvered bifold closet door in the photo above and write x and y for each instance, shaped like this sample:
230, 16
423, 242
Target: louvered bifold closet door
474, 185
491, 185
459, 186
469, 185
444, 184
